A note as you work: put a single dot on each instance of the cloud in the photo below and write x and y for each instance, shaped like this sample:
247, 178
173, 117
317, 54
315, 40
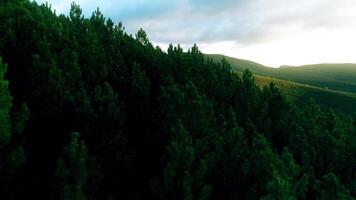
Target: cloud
241, 28
243, 21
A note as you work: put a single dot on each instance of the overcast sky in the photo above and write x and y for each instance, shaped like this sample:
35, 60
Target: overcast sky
271, 32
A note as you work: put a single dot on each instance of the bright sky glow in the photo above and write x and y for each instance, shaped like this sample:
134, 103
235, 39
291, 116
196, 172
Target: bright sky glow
271, 32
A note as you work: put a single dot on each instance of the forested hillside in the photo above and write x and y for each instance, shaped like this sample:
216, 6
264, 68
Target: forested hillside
88, 111
337, 76
332, 86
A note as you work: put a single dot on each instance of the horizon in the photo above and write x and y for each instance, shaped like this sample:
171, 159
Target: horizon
290, 33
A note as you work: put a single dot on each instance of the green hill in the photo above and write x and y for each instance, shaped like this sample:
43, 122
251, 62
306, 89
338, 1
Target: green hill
88, 111
241, 64
340, 77
330, 85
301, 94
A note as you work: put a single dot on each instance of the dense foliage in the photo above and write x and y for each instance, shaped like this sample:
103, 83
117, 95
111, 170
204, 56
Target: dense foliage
90, 112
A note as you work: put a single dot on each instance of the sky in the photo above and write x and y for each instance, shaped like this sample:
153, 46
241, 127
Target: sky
271, 32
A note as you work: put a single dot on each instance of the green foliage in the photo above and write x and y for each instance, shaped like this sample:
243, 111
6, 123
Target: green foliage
183, 173
281, 186
12, 154
5, 107
141, 36
75, 12
20, 119
157, 125
72, 172
330, 188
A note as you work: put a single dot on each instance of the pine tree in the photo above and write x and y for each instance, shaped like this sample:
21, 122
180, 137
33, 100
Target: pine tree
72, 171
5, 107
331, 188
12, 155
183, 173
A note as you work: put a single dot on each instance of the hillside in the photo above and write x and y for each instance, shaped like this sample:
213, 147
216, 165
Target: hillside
330, 85
88, 111
241, 64
301, 94
340, 77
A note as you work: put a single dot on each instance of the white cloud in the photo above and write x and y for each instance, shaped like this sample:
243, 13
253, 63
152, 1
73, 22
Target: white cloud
273, 32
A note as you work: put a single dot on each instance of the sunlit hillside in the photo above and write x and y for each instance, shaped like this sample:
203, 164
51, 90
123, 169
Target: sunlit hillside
340, 77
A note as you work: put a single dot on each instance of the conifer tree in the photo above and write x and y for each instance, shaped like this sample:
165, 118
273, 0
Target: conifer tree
12, 155
72, 171
5, 107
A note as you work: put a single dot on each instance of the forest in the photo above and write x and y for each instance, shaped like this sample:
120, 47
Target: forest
88, 111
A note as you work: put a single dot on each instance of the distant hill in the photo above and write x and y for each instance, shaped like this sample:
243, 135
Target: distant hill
330, 85
301, 94
340, 77
241, 64
285, 66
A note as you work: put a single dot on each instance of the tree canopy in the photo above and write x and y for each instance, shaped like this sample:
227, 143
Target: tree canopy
88, 111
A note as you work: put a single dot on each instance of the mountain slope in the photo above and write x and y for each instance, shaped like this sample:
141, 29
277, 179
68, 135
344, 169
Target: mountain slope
340, 77
301, 94
241, 64
330, 85
88, 111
